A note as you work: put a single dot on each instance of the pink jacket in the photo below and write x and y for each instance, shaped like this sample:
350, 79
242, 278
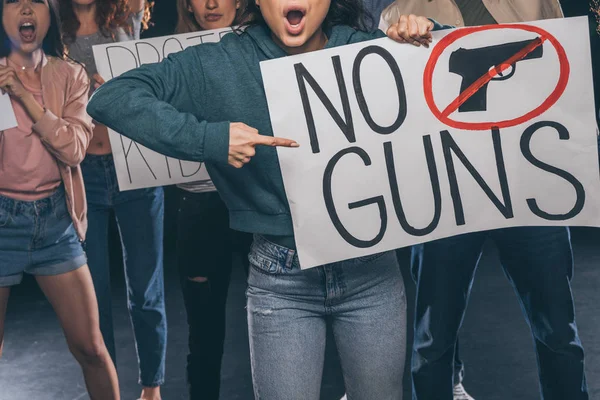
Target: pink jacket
66, 128
447, 12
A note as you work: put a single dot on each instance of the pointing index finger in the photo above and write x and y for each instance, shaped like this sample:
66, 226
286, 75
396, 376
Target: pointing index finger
275, 141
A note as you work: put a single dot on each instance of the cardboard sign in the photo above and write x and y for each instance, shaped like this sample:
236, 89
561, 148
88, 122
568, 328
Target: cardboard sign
7, 113
491, 127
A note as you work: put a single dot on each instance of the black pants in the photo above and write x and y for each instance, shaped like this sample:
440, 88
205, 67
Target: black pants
205, 248
538, 261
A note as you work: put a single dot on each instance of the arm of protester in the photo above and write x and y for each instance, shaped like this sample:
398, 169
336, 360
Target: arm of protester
143, 104
149, 104
67, 137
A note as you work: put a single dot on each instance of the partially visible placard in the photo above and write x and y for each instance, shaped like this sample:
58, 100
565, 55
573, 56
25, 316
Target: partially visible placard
137, 166
7, 113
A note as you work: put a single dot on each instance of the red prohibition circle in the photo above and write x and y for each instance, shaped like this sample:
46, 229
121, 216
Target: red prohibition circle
480, 126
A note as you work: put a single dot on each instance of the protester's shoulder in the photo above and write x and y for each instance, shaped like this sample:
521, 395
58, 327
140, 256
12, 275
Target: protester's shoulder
68, 69
361, 36
239, 41
66, 66
130, 28
133, 27
136, 17
231, 46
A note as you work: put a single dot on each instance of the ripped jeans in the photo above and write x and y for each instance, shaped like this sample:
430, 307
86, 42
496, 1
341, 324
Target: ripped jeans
288, 310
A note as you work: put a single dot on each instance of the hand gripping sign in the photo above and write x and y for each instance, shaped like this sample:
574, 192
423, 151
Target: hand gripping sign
489, 128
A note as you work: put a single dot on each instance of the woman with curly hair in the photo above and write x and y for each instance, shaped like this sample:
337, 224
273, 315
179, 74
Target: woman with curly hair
139, 213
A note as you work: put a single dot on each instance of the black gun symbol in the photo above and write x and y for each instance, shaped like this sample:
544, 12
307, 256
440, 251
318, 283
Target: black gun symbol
472, 64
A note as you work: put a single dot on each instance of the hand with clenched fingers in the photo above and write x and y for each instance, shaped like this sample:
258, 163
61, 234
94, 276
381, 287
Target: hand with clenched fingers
11, 84
411, 29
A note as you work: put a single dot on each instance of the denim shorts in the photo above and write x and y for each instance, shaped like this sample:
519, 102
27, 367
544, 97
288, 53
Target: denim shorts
37, 237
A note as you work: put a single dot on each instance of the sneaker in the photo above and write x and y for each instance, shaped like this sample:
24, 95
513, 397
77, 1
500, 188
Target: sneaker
460, 393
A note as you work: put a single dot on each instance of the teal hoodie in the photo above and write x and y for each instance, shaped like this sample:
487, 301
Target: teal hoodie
182, 108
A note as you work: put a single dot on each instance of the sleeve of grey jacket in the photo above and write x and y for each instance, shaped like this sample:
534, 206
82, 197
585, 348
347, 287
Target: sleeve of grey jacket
146, 105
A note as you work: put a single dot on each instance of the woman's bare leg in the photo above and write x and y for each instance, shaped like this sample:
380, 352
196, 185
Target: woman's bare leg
73, 298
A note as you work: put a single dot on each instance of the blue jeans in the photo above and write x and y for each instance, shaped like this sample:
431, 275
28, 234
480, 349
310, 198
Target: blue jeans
139, 215
38, 238
539, 264
288, 310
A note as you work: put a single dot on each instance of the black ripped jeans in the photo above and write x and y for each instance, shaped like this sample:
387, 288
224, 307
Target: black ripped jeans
205, 248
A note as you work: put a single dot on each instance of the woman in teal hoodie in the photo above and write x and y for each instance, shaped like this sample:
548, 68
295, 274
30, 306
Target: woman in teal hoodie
207, 104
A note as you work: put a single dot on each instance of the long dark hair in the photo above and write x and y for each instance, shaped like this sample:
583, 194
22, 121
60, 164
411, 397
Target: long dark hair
110, 15
52, 44
341, 12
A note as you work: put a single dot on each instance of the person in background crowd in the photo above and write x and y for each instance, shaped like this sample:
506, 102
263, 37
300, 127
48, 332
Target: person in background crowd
461, 13
537, 260
139, 213
205, 243
42, 198
375, 7
207, 103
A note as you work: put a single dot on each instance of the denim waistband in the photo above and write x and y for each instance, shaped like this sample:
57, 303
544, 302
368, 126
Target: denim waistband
41, 206
99, 159
274, 253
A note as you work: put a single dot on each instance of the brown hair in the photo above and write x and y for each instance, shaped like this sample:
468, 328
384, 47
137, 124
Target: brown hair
187, 23
110, 15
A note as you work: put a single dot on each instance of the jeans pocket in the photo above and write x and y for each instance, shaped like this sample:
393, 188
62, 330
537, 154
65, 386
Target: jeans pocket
262, 264
268, 265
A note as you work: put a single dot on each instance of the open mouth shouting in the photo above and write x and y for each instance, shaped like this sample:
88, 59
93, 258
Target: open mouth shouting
27, 30
295, 20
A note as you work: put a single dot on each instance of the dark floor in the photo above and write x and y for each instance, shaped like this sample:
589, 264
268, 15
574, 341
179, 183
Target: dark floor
496, 344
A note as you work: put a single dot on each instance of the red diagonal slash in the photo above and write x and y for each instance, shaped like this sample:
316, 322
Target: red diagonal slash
452, 37
479, 83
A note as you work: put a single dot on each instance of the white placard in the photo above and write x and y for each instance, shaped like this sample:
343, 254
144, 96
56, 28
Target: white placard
137, 166
7, 113
389, 158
